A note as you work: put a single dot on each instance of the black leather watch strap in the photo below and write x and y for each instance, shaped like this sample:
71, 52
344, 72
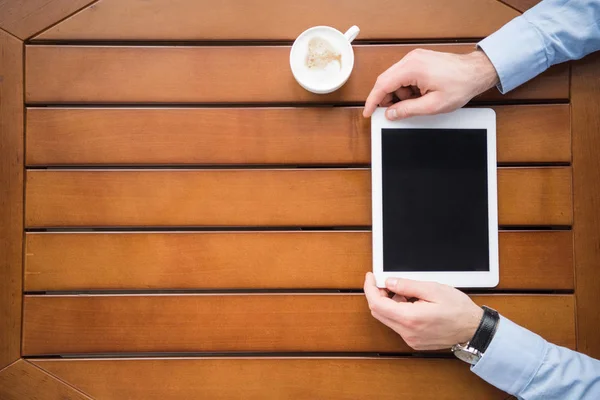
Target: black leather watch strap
486, 330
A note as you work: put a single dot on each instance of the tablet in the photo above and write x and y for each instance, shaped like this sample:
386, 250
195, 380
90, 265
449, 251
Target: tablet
435, 213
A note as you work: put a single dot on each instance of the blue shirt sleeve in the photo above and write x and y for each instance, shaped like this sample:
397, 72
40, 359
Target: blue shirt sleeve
552, 32
525, 365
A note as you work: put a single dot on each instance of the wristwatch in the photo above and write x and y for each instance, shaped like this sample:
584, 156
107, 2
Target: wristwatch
472, 351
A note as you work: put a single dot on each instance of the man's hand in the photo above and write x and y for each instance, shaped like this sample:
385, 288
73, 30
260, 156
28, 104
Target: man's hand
430, 82
440, 317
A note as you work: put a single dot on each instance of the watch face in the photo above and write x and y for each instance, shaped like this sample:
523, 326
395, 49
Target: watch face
467, 356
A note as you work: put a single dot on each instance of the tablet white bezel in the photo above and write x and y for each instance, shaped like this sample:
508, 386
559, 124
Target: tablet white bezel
471, 118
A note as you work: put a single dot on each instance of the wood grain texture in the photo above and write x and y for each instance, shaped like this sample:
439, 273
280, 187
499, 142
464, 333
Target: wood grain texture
213, 74
126, 136
540, 196
276, 20
242, 323
11, 196
272, 378
586, 181
25, 18
199, 197
242, 260
22, 380
520, 5
539, 133
293, 197
536, 257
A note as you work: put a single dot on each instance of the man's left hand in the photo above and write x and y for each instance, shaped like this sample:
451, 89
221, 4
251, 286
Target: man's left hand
428, 315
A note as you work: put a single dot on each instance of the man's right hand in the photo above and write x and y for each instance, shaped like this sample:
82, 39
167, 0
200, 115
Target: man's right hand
430, 82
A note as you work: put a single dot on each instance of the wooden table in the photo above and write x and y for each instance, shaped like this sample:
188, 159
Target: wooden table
179, 219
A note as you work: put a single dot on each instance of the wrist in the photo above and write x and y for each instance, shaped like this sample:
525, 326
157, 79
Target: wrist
483, 71
472, 350
472, 321
486, 330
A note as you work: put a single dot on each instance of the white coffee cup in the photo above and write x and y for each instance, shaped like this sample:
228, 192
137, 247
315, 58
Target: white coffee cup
331, 78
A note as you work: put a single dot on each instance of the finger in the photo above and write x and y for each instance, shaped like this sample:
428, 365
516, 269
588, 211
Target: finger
396, 76
388, 294
371, 289
408, 288
405, 93
401, 74
375, 97
378, 301
387, 101
399, 298
425, 105
390, 323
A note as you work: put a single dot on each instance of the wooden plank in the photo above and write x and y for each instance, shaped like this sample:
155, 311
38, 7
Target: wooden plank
536, 260
213, 74
119, 136
520, 5
26, 18
242, 323
254, 260
263, 197
272, 378
540, 133
193, 197
22, 380
11, 196
586, 181
540, 196
276, 20
198, 136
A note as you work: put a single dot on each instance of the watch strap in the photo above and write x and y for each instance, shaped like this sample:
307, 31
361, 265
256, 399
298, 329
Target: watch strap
486, 330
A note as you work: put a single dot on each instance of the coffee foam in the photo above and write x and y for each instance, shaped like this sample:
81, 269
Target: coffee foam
321, 59
322, 55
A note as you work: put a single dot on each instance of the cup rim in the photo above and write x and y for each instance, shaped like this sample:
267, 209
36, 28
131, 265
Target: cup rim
335, 86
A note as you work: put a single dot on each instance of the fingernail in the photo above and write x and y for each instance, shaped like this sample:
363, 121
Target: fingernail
391, 282
392, 114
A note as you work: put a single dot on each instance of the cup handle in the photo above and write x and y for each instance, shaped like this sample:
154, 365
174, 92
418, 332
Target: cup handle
352, 33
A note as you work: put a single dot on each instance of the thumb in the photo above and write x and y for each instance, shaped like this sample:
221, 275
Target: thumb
430, 103
408, 288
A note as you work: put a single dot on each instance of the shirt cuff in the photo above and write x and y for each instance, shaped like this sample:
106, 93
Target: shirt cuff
517, 52
512, 359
